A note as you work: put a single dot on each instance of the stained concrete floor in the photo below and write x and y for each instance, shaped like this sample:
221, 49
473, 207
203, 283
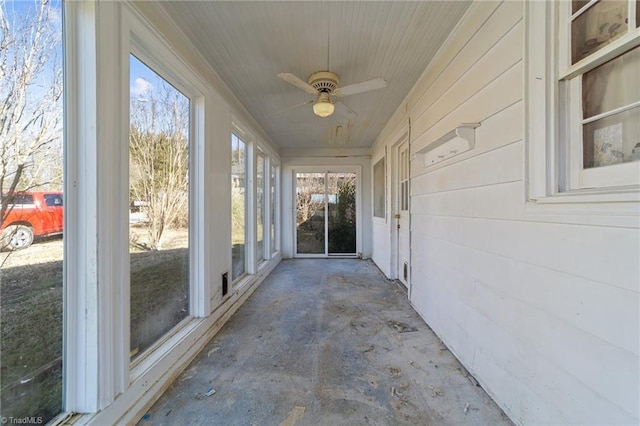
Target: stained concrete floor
326, 342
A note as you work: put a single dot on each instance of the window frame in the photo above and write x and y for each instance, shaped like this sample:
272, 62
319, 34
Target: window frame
245, 138
97, 365
376, 191
259, 153
274, 206
150, 50
553, 128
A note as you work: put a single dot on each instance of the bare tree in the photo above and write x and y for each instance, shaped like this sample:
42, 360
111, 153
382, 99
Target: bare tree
31, 90
30, 100
159, 152
310, 196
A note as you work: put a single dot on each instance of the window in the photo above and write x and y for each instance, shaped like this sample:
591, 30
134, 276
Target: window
379, 190
238, 207
159, 188
260, 202
600, 69
274, 210
583, 98
52, 200
404, 179
31, 224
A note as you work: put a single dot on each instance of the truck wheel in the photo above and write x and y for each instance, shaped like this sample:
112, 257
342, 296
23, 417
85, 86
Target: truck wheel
17, 237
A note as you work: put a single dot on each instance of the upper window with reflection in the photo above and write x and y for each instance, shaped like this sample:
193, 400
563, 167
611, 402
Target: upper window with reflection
158, 206
238, 207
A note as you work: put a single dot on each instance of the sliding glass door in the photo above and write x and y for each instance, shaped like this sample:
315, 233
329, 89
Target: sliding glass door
310, 213
326, 214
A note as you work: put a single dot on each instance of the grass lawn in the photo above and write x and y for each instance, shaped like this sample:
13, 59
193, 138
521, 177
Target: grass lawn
31, 319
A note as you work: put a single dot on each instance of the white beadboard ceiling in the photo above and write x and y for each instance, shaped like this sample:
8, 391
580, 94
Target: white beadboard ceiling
248, 43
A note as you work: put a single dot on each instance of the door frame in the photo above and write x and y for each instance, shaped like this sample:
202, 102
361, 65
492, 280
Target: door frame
328, 169
394, 194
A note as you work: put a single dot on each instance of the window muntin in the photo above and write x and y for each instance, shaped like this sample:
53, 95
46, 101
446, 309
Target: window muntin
159, 188
578, 4
611, 111
238, 207
404, 179
601, 93
597, 26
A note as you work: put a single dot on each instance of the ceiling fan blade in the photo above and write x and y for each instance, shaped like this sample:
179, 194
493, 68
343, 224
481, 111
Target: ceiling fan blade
292, 79
293, 107
365, 86
347, 107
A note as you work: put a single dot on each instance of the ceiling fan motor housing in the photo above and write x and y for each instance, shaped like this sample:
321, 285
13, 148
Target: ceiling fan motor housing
324, 81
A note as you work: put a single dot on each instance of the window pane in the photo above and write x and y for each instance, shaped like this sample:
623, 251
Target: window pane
273, 209
310, 195
612, 140
238, 207
31, 223
159, 206
600, 25
612, 85
379, 192
260, 163
576, 5
341, 206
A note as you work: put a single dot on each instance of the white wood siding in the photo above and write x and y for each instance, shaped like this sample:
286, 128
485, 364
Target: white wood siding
542, 306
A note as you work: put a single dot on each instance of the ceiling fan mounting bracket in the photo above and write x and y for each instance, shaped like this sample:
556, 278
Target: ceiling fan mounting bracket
324, 81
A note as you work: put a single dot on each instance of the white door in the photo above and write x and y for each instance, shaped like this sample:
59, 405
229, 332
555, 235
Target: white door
402, 213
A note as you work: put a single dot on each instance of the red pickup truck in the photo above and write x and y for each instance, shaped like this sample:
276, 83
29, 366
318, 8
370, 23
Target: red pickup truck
32, 214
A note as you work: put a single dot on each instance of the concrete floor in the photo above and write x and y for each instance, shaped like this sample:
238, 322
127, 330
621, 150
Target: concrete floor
326, 342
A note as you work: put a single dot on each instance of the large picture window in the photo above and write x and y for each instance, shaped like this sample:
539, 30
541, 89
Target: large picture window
260, 210
159, 206
274, 207
238, 207
31, 225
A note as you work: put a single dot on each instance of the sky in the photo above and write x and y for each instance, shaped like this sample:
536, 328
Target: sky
142, 78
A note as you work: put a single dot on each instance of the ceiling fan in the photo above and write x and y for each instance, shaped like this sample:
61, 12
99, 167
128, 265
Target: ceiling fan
325, 84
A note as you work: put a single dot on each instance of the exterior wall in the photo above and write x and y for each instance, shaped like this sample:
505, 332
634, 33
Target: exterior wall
324, 159
540, 305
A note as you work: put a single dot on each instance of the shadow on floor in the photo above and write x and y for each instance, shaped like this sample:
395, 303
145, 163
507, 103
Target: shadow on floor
326, 342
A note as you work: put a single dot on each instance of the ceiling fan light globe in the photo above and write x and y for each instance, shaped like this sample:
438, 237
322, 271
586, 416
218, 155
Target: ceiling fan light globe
323, 109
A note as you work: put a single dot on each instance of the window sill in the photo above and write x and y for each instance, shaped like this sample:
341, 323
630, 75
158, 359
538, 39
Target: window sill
628, 194
613, 208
